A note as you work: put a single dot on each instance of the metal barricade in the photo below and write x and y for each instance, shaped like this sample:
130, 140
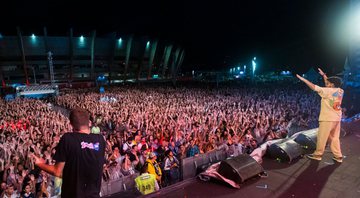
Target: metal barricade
120, 185
191, 165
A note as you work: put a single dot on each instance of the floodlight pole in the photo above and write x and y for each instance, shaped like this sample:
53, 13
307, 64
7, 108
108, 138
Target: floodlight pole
33, 70
51, 67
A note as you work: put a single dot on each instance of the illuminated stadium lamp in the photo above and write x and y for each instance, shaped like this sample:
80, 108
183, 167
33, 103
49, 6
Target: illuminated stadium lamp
120, 42
33, 39
254, 66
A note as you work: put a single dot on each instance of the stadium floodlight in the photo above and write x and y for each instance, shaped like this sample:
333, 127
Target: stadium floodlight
253, 66
120, 42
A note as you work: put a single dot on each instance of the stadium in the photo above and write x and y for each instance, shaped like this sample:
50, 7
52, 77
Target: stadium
180, 99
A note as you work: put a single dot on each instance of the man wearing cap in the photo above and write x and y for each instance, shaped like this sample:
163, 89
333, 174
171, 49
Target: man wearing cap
152, 167
330, 116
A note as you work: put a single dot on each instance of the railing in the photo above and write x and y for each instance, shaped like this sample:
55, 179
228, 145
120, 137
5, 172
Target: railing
189, 169
190, 166
115, 186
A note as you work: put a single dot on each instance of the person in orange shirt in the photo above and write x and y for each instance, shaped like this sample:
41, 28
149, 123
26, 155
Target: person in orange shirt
330, 116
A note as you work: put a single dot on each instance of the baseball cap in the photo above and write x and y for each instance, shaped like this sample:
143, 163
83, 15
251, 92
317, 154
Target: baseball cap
152, 155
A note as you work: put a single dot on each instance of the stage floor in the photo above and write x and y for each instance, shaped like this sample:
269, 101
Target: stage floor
301, 178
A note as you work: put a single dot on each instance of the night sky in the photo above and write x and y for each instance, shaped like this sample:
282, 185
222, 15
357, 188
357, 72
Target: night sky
291, 34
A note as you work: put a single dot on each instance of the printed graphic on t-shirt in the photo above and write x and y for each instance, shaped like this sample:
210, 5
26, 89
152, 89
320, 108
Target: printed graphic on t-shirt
92, 146
335, 102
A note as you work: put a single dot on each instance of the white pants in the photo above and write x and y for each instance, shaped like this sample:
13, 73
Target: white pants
328, 132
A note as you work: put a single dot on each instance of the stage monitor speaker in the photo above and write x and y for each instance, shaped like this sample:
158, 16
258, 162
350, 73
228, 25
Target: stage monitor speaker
240, 168
307, 139
285, 151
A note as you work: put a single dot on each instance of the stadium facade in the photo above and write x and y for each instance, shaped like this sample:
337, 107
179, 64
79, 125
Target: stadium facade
25, 58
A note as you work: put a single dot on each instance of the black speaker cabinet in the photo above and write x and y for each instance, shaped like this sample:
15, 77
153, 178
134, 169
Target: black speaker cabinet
240, 168
285, 151
307, 139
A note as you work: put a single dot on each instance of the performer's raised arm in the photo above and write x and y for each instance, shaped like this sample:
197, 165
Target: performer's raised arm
308, 83
323, 75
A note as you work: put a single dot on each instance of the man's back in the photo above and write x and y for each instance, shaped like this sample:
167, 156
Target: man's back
331, 99
83, 155
146, 183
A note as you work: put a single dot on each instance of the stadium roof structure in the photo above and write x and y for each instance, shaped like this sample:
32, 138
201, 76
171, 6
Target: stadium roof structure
85, 57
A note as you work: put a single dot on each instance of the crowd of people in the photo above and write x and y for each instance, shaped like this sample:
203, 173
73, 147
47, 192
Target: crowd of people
148, 128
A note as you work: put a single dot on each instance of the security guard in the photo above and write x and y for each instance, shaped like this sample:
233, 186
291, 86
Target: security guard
146, 183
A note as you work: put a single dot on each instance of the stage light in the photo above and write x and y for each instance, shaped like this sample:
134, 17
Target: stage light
238, 68
81, 38
148, 44
33, 36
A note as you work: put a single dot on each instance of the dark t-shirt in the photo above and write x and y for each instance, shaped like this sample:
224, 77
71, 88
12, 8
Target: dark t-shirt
83, 155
